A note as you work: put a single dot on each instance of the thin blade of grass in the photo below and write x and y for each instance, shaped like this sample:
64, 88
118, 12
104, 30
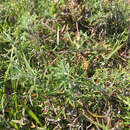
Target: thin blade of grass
29, 69
14, 125
33, 115
58, 36
114, 51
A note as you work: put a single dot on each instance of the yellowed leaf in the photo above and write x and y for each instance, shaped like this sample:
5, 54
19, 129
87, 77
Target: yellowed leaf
75, 42
85, 64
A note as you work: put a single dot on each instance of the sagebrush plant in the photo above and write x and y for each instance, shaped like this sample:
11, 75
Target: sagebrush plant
64, 64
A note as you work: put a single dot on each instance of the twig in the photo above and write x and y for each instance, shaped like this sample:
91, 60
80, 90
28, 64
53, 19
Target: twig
50, 28
83, 113
88, 51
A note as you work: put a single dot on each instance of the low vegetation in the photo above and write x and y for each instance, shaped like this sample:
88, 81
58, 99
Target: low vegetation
64, 64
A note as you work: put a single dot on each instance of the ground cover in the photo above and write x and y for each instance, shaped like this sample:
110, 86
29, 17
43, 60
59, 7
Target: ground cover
64, 64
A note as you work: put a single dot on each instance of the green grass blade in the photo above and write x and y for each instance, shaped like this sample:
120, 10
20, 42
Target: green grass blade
114, 51
29, 69
14, 125
33, 115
